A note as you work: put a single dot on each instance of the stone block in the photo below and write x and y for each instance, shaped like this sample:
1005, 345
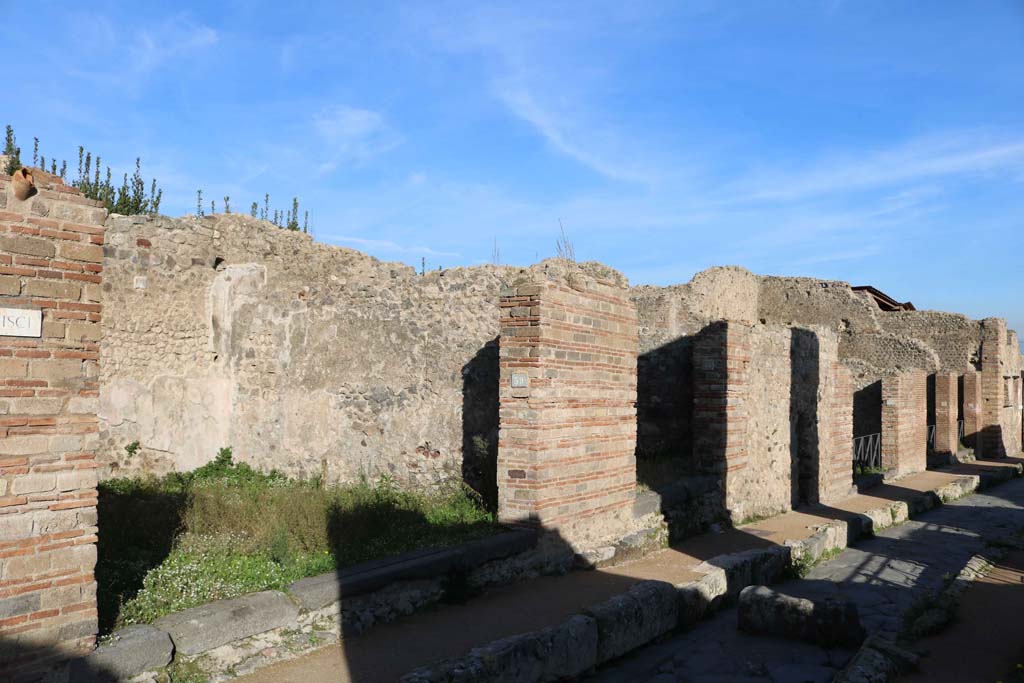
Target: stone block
23, 445
10, 285
53, 289
77, 251
628, 620
129, 652
57, 371
11, 368
196, 630
829, 622
19, 604
29, 246
561, 652
79, 331
77, 479
15, 526
33, 483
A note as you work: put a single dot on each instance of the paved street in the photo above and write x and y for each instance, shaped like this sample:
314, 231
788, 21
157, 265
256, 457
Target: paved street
883, 576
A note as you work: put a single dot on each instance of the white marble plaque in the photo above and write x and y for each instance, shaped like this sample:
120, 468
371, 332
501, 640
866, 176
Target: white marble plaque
21, 322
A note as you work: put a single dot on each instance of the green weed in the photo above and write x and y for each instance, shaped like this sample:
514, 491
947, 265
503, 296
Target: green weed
226, 529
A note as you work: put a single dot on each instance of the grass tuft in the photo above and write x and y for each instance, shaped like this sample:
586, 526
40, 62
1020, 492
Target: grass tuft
226, 529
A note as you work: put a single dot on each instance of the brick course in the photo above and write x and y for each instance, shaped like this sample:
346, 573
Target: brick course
566, 441
904, 422
946, 403
50, 257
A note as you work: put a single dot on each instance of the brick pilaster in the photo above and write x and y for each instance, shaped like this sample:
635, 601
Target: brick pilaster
567, 433
721, 382
1000, 404
946, 404
972, 409
904, 422
835, 480
51, 258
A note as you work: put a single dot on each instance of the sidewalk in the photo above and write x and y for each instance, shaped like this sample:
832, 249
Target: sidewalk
391, 650
981, 645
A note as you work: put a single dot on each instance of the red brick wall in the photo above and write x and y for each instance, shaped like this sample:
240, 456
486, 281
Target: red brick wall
946, 404
566, 441
904, 422
835, 428
1000, 408
50, 258
721, 414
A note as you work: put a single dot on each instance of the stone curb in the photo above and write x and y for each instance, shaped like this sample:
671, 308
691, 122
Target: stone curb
202, 628
130, 651
140, 648
651, 609
316, 592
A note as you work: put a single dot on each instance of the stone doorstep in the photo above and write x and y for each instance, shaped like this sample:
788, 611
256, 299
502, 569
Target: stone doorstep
650, 609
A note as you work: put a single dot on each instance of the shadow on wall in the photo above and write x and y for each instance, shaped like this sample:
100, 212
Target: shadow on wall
664, 446
480, 377
867, 409
805, 368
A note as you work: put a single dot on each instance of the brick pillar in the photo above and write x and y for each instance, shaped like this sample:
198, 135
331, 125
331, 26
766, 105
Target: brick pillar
835, 432
50, 263
993, 343
972, 410
904, 422
721, 382
946, 404
567, 432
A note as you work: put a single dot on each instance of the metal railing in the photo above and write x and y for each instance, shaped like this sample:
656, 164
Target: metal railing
867, 452
931, 437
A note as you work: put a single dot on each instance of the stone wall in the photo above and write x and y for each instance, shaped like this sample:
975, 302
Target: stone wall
312, 359
568, 419
1000, 390
50, 260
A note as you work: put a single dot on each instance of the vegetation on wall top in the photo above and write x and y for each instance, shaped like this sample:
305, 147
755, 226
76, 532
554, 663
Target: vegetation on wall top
130, 198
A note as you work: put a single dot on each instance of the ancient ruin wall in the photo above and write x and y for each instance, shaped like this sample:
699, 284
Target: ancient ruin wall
225, 331
312, 359
670, 320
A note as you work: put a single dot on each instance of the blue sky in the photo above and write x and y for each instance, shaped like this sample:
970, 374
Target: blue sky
875, 142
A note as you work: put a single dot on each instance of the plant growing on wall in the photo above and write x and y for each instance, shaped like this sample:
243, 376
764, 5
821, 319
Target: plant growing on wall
12, 152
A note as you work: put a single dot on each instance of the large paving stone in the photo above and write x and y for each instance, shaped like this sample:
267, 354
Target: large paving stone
128, 653
203, 628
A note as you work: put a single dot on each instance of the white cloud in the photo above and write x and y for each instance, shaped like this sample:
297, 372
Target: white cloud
353, 135
954, 153
387, 246
178, 36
